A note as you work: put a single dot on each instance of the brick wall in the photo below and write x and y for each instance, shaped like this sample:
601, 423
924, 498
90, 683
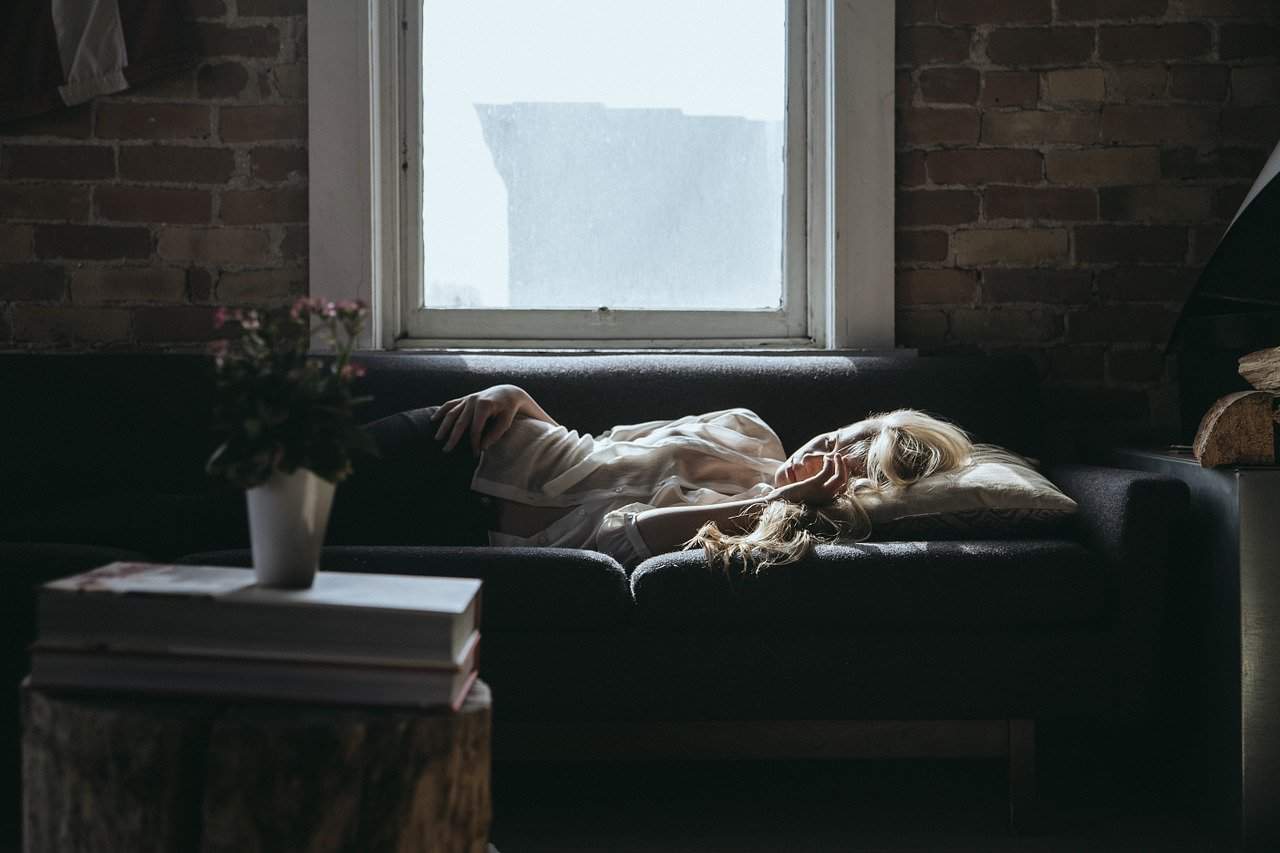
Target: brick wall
1064, 168
124, 220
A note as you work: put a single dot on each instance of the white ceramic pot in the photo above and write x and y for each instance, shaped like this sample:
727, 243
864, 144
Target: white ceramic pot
287, 519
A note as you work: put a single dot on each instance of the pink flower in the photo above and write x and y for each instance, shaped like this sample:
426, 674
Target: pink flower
220, 317
353, 371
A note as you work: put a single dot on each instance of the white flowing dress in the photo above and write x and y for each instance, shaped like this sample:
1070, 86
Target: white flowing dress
610, 478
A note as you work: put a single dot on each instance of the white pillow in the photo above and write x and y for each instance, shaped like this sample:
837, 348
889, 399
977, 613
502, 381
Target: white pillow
999, 494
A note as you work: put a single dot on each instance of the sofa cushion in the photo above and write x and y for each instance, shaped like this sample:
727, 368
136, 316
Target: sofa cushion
998, 495
524, 588
976, 584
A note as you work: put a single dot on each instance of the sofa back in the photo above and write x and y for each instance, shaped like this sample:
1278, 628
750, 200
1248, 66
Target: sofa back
83, 424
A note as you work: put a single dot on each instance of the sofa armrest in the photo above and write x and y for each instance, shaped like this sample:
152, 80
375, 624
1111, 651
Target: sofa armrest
1128, 517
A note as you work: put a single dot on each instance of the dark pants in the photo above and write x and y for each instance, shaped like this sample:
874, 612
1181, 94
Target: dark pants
413, 493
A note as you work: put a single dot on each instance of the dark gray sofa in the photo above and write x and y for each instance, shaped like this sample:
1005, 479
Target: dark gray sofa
106, 451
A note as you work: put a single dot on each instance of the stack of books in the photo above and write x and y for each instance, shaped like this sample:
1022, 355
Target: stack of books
361, 639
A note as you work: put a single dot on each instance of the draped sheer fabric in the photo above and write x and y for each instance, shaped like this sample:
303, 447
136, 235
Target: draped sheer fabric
609, 479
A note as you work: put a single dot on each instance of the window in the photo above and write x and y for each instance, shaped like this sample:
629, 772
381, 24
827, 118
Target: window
653, 173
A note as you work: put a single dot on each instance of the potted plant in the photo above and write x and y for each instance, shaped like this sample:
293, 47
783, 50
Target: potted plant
290, 430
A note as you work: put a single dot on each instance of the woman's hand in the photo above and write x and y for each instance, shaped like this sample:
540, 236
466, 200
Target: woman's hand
488, 414
816, 479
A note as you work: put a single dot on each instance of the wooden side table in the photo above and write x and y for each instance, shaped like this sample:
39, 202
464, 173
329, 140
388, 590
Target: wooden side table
162, 774
1224, 626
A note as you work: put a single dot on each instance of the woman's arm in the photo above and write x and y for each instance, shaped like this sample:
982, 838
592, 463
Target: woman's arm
488, 414
667, 528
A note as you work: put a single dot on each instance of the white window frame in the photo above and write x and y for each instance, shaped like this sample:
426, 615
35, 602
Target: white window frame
365, 186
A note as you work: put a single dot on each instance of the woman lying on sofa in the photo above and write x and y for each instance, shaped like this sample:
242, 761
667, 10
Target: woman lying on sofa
720, 480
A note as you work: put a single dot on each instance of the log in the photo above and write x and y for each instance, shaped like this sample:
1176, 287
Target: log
166, 774
1261, 369
1239, 429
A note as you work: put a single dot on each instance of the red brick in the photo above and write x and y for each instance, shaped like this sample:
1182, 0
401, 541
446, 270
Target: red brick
222, 80
178, 85
270, 8
1221, 8
215, 245
994, 11
278, 164
1137, 82
1135, 365
15, 242
1227, 200
920, 328
73, 123
936, 287
918, 46
949, 85
254, 41
1098, 406
254, 207
1197, 164
1121, 243
60, 162
1021, 247
1255, 85
1125, 124
98, 285
1121, 323
1097, 10
176, 164
1156, 204
986, 165
1146, 284
69, 324
1248, 41
206, 8
1038, 203
902, 93
123, 120
1034, 127
1005, 325
254, 123
936, 207
1036, 47
97, 242
923, 246
153, 204
1259, 125
294, 245
261, 285
32, 283
175, 323
290, 80
910, 169
939, 126
1103, 166
1205, 240
1010, 88
43, 202
1198, 83
1075, 85
199, 285
1163, 41
1061, 287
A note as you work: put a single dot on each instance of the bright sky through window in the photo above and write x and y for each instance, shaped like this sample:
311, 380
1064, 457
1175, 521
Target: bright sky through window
579, 153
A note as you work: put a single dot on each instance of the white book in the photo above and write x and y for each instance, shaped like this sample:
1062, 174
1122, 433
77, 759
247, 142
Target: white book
173, 609
62, 668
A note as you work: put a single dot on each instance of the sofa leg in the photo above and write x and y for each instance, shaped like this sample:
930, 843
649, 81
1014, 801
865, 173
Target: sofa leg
1023, 806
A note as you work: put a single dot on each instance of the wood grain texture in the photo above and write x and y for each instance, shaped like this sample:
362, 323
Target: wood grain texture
1261, 369
164, 775
1239, 429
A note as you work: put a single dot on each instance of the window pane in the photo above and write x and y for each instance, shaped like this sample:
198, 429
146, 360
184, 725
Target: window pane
588, 153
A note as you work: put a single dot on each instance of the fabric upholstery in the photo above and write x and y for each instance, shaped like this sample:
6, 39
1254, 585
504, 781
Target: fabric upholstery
881, 585
524, 589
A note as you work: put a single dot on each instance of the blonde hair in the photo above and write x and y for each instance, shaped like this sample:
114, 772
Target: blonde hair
906, 445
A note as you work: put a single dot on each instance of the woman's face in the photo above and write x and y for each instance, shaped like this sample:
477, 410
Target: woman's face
850, 441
